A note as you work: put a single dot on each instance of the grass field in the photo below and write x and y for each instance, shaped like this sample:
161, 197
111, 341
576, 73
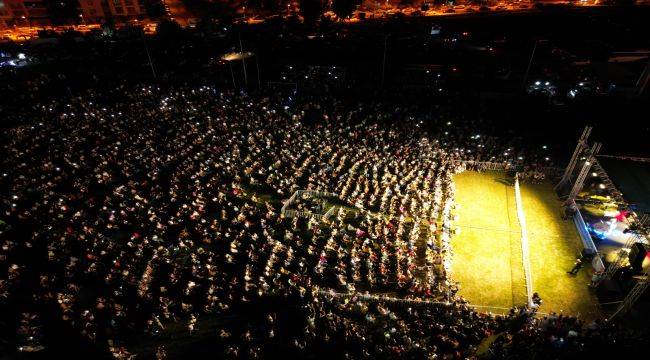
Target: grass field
554, 245
487, 252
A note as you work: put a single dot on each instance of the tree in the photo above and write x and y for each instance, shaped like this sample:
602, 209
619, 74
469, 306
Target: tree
271, 5
169, 31
344, 8
253, 4
311, 10
620, 2
217, 9
63, 12
154, 8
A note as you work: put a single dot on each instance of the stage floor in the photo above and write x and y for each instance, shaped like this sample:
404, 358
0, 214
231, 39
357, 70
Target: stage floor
487, 257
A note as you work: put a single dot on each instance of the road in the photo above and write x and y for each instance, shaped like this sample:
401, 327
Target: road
177, 11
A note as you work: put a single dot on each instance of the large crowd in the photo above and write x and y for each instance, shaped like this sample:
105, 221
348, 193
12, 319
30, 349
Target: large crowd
135, 214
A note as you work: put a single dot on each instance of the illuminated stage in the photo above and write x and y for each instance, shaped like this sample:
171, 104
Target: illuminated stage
607, 225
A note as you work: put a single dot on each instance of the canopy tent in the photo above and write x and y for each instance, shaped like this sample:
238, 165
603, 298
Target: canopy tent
632, 178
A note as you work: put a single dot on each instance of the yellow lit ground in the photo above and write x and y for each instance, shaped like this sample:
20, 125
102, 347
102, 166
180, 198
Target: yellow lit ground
554, 245
487, 251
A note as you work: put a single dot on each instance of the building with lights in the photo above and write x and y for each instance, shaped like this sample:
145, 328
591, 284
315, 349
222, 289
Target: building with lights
98, 11
23, 13
126, 8
13, 12
5, 14
36, 13
92, 10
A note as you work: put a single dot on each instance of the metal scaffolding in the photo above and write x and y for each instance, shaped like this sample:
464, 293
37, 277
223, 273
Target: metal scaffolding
609, 184
639, 288
590, 159
582, 144
589, 156
644, 220
619, 261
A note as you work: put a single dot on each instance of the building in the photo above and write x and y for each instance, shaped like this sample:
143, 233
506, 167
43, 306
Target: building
35, 12
23, 13
92, 11
12, 12
97, 11
126, 9
5, 15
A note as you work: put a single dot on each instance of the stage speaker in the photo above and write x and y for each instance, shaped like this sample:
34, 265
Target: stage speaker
609, 291
638, 254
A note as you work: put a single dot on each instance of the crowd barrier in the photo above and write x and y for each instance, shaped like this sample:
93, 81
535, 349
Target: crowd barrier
586, 239
524, 241
377, 298
286, 212
329, 213
487, 166
414, 302
314, 193
550, 171
302, 214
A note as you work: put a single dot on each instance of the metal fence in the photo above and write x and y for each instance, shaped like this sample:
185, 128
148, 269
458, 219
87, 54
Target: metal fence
329, 213
550, 171
524, 242
286, 212
383, 298
586, 239
487, 165
499, 310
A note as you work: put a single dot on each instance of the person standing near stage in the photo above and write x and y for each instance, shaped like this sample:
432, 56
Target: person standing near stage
576, 267
569, 210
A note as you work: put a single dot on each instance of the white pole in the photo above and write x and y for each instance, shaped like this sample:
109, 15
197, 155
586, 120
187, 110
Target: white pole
243, 62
